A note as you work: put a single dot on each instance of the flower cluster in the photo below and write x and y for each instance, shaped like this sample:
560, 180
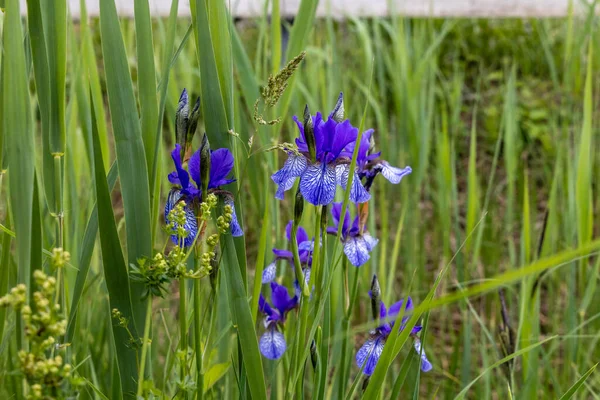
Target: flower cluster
198, 175
305, 250
358, 244
43, 324
322, 159
272, 343
370, 352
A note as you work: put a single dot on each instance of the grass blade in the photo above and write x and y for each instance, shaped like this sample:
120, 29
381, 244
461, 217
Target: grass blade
115, 274
573, 389
463, 392
19, 140
133, 172
85, 256
213, 106
146, 79
242, 319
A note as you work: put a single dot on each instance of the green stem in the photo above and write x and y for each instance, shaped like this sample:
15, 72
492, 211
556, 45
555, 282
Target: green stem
304, 306
183, 326
145, 345
198, 340
60, 290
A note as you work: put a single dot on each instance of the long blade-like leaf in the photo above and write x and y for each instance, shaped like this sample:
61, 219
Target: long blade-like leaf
146, 78
19, 136
573, 389
85, 256
131, 159
115, 274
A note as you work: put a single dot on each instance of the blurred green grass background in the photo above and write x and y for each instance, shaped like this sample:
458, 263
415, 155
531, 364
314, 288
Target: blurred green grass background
492, 116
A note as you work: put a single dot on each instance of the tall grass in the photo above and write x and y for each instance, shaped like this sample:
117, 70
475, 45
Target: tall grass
494, 235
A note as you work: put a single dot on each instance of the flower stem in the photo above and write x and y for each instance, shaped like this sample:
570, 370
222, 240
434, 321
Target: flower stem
304, 305
145, 345
198, 340
183, 327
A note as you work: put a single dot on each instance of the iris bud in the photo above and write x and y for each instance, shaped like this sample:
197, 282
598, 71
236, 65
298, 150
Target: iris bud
193, 122
204, 165
309, 133
181, 119
314, 356
375, 297
338, 111
298, 207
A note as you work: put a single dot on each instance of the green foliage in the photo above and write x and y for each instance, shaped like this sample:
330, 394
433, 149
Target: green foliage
494, 234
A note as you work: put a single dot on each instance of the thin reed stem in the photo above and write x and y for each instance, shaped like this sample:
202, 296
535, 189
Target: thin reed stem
145, 345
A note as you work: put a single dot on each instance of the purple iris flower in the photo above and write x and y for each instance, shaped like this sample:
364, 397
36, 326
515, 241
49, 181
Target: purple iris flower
357, 243
272, 343
319, 176
305, 249
371, 350
369, 163
190, 190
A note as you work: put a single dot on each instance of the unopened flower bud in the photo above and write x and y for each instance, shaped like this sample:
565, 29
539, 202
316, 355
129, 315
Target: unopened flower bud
204, 165
309, 133
181, 119
298, 207
338, 111
193, 122
375, 297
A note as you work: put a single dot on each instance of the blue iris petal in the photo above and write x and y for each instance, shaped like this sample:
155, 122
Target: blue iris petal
425, 363
191, 224
358, 193
269, 273
318, 183
370, 353
357, 250
236, 229
272, 344
393, 174
293, 167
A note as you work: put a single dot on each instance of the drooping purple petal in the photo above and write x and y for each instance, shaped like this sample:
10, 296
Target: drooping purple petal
264, 307
281, 298
283, 254
371, 241
182, 176
318, 184
221, 164
336, 213
393, 174
269, 273
425, 364
301, 235
358, 193
236, 229
194, 168
368, 355
293, 167
272, 344
344, 134
357, 250
397, 306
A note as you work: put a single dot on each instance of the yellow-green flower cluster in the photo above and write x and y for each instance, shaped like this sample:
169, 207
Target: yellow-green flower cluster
43, 324
207, 206
224, 220
60, 257
177, 220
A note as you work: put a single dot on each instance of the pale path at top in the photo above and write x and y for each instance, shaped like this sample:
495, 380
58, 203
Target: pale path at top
341, 8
